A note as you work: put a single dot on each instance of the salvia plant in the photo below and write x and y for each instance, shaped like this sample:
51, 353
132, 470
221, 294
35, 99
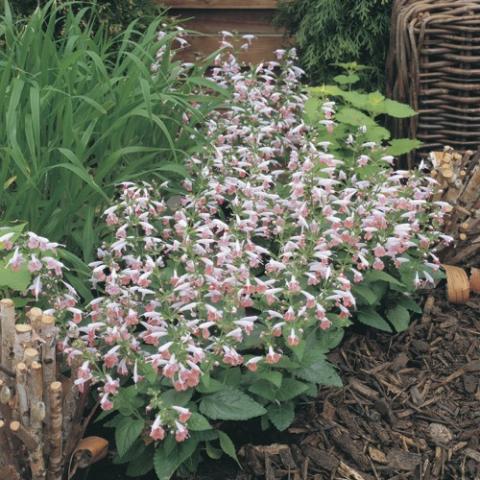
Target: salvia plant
83, 111
220, 304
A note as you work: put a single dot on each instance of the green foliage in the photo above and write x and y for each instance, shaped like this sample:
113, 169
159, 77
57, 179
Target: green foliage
358, 112
113, 15
269, 394
83, 112
331, 31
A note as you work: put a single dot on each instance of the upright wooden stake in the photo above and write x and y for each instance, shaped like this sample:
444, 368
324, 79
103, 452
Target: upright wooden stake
7, 314
22, 397
48, 347
22, 340
55, 465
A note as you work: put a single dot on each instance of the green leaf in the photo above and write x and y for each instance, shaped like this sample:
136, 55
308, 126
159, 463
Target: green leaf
227, 445
365, 294
402, 146
347, 79
290, 388
320, 371
271, 376
230, 404
180, 399
166, 463
409, 304
138, 448
212, 452
371, 318
264, 389
141, 465
18, 281
399, 317
398, 110
281, 415
198, 423
377, 275
352, 116
126, 432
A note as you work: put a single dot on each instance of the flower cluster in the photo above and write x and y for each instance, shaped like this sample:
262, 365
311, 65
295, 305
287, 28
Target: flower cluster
266, 243
34, 259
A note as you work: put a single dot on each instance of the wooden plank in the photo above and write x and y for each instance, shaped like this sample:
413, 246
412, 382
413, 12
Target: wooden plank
261, 50
221, 4
235, 21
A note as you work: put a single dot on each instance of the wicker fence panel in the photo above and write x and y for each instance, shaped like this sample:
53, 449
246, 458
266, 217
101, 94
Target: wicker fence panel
434, 65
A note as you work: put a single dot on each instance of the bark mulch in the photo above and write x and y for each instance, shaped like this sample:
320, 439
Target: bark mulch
410, 408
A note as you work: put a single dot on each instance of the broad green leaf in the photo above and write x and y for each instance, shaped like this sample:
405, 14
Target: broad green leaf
320, 372
290, 388
364, 294
352, 116
18, 281
398, 110
172, 397
141, 465
409, 304
230, 404
281, 415
377, 275
198, 423
126, 432
167, 462
402, 146
346, 79
399, 317
371, 318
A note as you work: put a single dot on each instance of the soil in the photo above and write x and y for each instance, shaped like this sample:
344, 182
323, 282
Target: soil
409, 410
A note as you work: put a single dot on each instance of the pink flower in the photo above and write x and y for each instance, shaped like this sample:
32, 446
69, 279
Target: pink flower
157, 432
183, 414
272, 357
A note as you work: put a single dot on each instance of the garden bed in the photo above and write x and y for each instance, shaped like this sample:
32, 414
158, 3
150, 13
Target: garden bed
409, 409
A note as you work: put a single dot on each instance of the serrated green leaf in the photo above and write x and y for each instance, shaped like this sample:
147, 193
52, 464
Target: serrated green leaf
198, 423
230, 404
321, 372
271, 376
399, 317
352, 116
402, 146
290, 388
126, 432
172, 397
281, 415
166, 463
398, 110
371, 318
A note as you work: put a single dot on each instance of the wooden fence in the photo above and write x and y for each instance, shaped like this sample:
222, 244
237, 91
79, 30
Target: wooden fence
209, 17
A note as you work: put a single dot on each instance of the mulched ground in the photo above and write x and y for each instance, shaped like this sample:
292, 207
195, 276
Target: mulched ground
410, 409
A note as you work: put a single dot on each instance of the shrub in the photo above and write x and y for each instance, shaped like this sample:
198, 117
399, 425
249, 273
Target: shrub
83, 112
328, 32
220, 305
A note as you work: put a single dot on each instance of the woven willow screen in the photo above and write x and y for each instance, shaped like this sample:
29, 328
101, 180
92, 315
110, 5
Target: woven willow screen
434, 65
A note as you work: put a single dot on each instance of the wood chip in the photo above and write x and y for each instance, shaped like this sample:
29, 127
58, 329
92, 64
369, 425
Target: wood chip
440, 434
377, 455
